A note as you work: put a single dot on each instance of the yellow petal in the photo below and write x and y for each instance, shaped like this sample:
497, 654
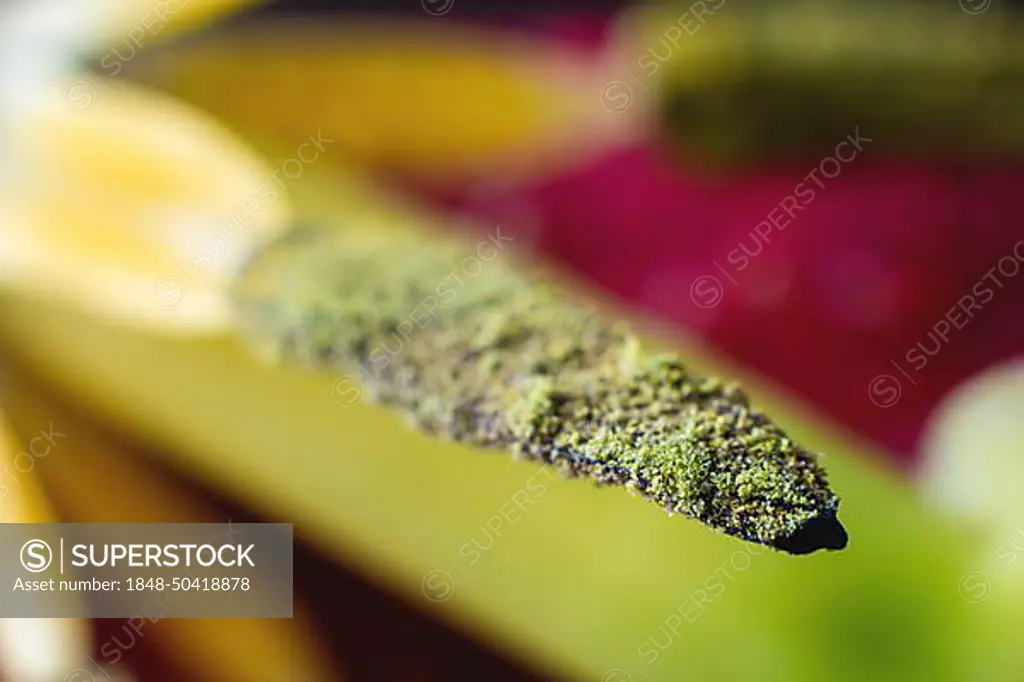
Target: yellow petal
34, 649
142, 147
423, 96
238, 649
138, 207
141, 23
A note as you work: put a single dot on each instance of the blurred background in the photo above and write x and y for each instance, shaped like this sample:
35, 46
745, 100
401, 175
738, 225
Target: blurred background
821, 199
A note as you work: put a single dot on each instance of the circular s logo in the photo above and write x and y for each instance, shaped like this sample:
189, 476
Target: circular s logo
616, 96
884, 390
168, 293
975, 586
79, 97
347, 391
36, 556
706, 292
975, 6
437, 8
438, 585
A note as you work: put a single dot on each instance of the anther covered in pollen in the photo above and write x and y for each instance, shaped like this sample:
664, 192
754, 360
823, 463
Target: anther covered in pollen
493, 358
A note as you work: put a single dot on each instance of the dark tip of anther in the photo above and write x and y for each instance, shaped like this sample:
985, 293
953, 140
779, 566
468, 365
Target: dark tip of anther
820, 532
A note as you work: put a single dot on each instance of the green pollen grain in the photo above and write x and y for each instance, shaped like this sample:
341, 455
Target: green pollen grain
495, 359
